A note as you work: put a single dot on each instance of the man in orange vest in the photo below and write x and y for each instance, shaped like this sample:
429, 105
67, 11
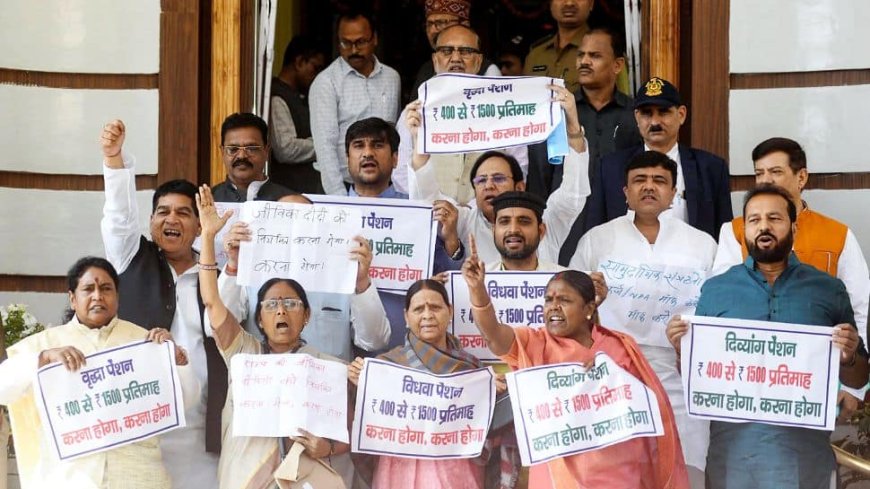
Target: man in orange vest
822, 242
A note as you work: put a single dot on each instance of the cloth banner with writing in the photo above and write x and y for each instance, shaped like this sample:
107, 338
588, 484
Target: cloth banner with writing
276, 395
410, 413
642, 297
120, 396
518, 299
467, 113
564, 409
401, 234
308, 243
776, 373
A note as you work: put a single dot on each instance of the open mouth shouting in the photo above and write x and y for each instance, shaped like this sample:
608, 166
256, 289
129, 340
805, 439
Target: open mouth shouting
765, 240
514, 242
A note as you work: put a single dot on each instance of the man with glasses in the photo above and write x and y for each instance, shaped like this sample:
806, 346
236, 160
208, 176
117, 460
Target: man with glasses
353, 87
495, 173
244, 148
441, 14
457, 50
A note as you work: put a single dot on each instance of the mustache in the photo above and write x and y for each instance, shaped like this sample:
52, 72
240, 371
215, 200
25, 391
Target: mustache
763, 234
355, 56
242, 161
655, 128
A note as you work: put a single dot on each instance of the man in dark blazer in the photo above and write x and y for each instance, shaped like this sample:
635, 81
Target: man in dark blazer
703, 193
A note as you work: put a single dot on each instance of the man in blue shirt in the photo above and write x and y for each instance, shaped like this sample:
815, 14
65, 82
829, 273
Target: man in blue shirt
772, 285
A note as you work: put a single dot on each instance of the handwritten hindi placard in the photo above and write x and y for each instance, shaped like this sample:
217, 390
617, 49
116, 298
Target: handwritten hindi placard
120, 396
777, 373
518, 300
564, 409
411, 413
467, 113
219, 251
276, 395
401, 234
643, 296
308, 243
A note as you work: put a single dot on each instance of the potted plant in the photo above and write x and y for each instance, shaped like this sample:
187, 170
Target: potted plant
15, 324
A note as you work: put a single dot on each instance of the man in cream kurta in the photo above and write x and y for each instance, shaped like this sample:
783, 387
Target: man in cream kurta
134, 466
648, 235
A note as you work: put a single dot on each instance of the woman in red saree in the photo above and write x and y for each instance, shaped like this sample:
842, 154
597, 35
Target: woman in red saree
570, 335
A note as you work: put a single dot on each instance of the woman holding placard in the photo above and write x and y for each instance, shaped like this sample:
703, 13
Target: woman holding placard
282, 311
428, 347
570, 336
92, 326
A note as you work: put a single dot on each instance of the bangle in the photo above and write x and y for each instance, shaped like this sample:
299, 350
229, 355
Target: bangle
481, 308
331, 446
208, 266
232, 270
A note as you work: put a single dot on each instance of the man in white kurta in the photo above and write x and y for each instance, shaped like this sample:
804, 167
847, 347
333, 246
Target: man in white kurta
647, 235
517, 233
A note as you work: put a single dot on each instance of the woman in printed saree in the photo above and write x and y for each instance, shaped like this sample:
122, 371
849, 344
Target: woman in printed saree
92, 326
282, 311
429, 347
570, 335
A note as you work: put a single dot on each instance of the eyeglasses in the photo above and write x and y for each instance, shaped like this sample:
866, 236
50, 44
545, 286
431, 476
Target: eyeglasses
234, 150
289, 304
359, 43
464, 52
497, 179
441, 24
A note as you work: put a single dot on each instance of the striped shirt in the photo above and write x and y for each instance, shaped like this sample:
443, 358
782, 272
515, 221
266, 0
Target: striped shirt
340, 96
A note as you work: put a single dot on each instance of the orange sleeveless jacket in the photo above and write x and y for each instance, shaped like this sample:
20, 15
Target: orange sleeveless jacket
818, 241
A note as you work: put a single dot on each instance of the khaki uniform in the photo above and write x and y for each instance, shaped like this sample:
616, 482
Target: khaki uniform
546, 59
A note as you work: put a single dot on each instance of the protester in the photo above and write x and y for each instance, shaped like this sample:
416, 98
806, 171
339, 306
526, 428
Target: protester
248, 462
647, 234
158, 288
570, 336
92, 326
773, 285
428, 347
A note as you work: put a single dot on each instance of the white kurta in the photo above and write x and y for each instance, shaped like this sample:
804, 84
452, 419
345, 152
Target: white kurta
677, 244
563, 207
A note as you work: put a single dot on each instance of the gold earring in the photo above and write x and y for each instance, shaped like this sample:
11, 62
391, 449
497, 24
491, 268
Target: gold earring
589, 317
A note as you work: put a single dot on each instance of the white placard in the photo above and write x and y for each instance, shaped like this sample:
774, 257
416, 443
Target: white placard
410, 413
308, 243
776, 373
642, 296
467, 113
518, 300
122, 395
401, 234
564, 409
276, 395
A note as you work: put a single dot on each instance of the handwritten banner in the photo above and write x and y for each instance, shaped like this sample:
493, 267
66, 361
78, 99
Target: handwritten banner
777, 373
219, 251
401, 234
308, 243
466, 113
411, 413
564, 409
120, 396
518, 299
643, 296
276, 395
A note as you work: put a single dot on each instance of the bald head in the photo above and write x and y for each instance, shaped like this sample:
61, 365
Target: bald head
457, 50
